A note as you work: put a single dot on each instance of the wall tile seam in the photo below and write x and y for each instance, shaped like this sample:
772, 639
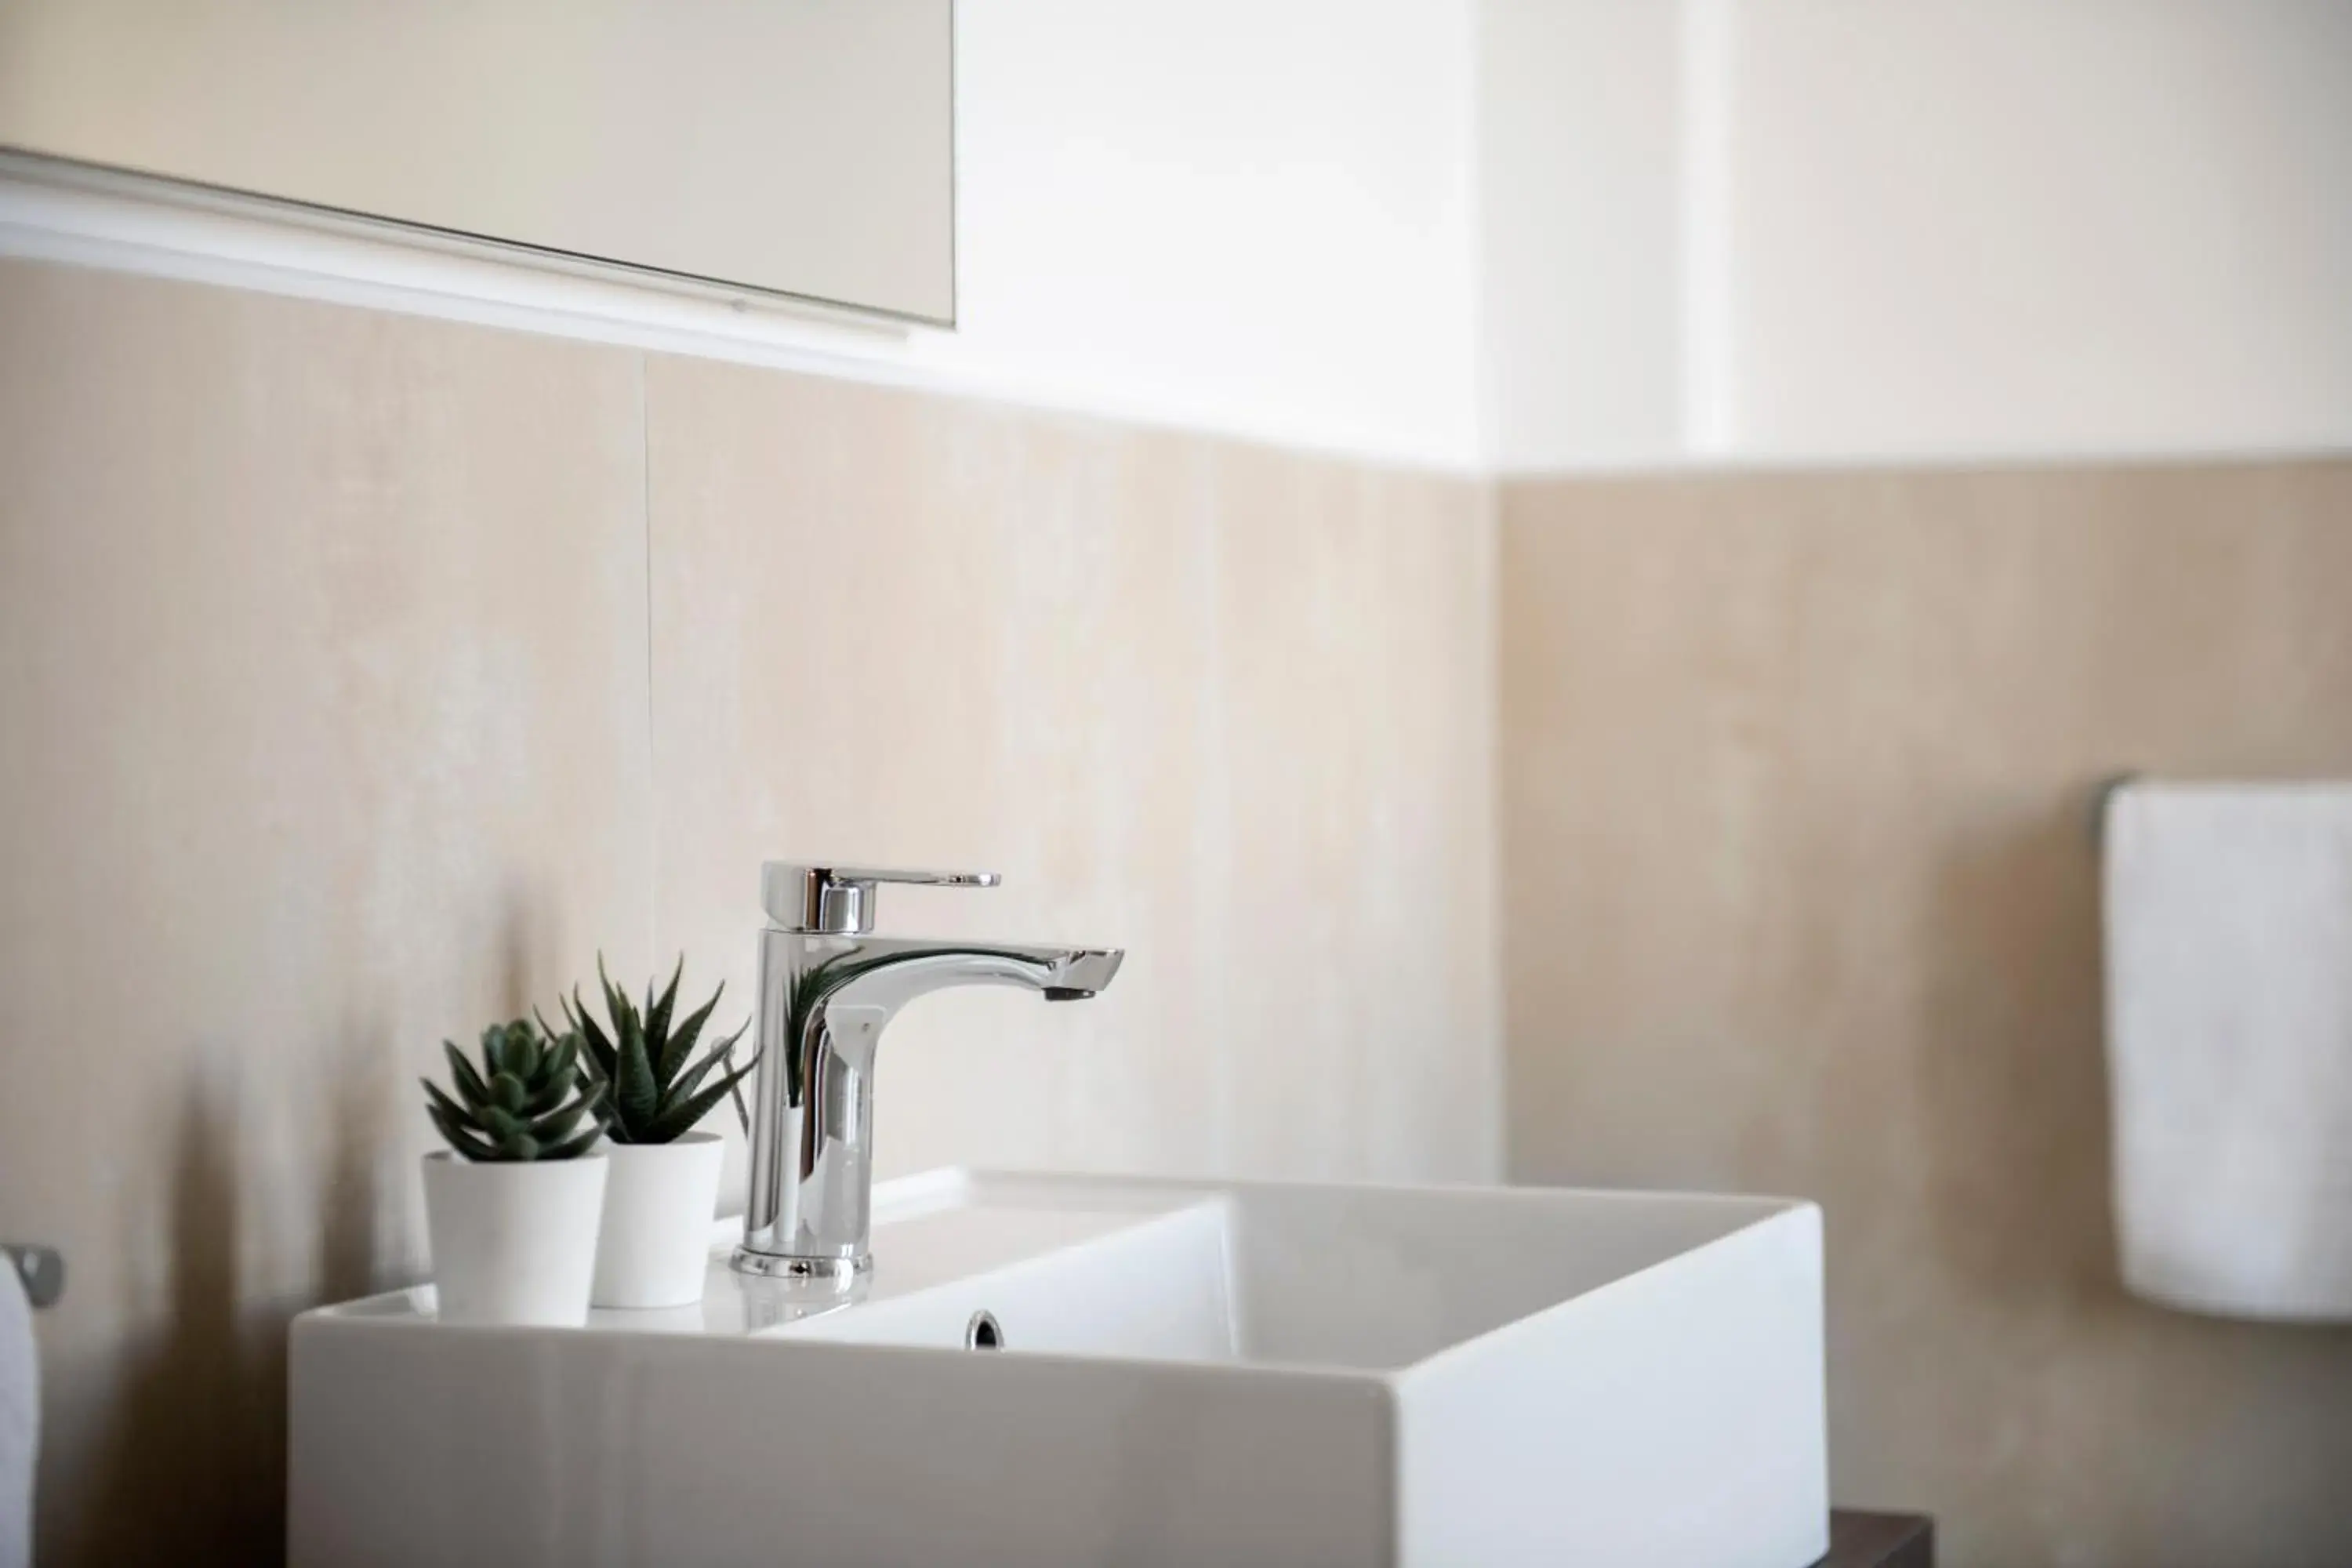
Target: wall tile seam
646, 532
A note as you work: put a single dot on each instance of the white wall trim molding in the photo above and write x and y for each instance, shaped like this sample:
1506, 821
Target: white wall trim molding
120, 222
126, 222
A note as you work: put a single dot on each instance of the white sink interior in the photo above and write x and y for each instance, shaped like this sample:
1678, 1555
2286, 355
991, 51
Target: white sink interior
1189, 1373
1373, 1279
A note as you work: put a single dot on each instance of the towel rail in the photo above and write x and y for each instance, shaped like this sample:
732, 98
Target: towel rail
42, 1269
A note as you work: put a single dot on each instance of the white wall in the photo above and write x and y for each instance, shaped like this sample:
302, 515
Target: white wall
1248, 215
1252, 216
1536, 234
1579, 172
1934, 229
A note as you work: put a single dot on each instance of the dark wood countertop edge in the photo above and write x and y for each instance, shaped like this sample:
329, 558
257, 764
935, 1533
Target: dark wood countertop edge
1865, 1539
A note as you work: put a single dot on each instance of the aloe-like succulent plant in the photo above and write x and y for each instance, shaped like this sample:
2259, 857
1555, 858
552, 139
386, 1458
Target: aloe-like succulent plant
525, 1102
658, 1092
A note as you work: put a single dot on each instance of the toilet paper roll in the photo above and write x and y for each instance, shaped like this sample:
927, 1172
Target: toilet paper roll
20, 1419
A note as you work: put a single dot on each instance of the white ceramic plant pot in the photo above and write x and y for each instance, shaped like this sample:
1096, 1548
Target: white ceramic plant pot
655, 1246
513, 1241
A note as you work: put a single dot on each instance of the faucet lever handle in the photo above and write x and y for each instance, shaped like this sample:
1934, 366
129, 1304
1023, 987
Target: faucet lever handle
838, 901
915, 878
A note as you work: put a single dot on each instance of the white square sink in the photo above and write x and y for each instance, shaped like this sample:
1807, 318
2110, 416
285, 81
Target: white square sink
1186, 1373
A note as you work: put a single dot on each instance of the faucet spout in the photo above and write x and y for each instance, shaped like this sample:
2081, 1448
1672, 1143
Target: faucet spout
1083, 973
826, 997
890, 971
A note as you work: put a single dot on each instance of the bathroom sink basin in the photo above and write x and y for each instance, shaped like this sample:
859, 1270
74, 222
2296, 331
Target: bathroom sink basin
1082, 1370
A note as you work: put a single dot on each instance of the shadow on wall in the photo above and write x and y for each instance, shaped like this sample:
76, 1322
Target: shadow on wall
1797, 774
2084, 1414
174, 1446
188, 1464
2015, 1064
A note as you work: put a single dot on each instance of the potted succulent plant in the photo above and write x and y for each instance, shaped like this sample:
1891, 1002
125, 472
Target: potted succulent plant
655, 1246
512, 1207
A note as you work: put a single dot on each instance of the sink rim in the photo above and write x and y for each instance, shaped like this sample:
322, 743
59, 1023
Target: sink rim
1147, 1199
939, 1188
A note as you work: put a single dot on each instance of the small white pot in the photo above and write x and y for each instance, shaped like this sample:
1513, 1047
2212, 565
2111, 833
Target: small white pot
655, 1245
513, 1241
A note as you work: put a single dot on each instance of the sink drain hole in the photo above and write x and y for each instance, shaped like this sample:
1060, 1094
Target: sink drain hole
982, 1333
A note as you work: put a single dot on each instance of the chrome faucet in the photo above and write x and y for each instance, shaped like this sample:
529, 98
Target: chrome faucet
827, 989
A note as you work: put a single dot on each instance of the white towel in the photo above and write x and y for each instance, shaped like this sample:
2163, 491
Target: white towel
2229, 946
20, 1419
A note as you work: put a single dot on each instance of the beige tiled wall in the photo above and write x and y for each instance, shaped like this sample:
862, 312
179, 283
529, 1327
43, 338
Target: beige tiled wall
1800, 895
322, 688
361, 677
1227, 709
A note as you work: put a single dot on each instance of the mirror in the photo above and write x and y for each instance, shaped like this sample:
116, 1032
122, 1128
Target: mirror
799, 148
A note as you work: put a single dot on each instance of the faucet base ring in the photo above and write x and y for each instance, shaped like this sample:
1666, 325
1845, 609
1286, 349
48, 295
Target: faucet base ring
786, 1266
